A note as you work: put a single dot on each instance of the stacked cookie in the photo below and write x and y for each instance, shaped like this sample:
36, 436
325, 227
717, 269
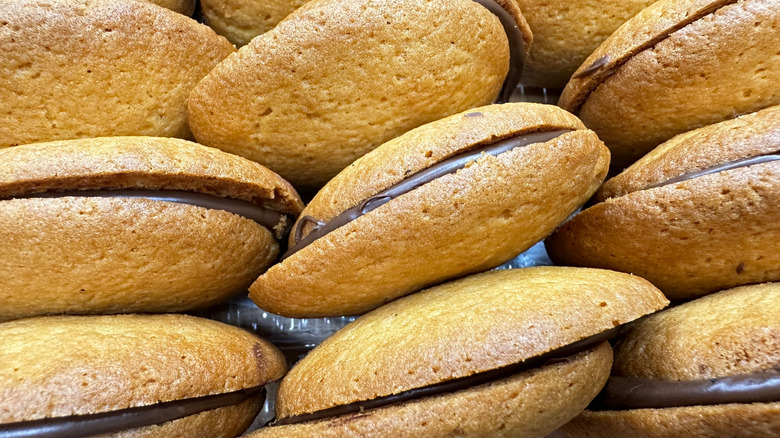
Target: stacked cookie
385, 115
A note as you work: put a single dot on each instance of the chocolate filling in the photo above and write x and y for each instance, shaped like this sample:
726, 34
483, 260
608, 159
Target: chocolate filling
516, 48
273, 220
458, 384
75, 426
445, 167
744, 162
623, 393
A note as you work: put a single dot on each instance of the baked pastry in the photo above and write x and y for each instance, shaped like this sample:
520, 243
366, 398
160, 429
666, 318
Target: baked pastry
241, 20
457, 196
512, 353
133, 224
696, 215
131, 376
566, 32
77, 68
676, 66
337, 78
708, 368
186, 7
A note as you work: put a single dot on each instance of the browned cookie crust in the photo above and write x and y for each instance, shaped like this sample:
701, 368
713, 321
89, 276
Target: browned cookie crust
54, 367
337, 78
78, 254
676, 66
479, 216
688, 231
78, 68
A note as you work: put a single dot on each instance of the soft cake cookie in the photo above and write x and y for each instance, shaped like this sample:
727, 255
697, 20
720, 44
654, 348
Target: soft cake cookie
696, 215
126, 224
511, 353
705, 369
676, 66
131, 376
242, 20
77, 68
337, 78
566, 32
460, 195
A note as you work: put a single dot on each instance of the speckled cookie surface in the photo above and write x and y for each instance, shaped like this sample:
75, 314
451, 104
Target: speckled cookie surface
733, 332
530, 310
74, 69
566, 32
112, 254
60, 366
689, 237
241, 20
337, 78
693, 63
480, 216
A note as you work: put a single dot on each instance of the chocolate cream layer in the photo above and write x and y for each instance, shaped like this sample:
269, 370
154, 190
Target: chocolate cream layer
459, 384
275, 221
744, 162
622, 393
516, 48
76, 426
445, 167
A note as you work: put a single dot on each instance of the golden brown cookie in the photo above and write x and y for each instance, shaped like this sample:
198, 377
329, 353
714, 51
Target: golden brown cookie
186, 7
457, 196
131, 376
126, 224
676, 66
707, 368
241, 20
696, 215
566, 32
337, 78
505, 353
77, 68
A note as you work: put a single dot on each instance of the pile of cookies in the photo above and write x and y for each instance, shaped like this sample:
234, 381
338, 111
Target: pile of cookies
370, 157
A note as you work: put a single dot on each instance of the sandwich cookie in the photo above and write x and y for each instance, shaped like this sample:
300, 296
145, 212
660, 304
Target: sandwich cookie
337, 78
77, 68
186, 7
696, 215
505, 353
677, 66
707, 368
566, 32
457, 196
133, 224
131, 376
241, 20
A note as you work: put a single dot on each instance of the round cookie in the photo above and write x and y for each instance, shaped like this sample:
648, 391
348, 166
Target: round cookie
77, 68
696, 215
707, 368
337, 78
676, 66
186, 7
133, 224
457, 196
131, 376
241, 20
528, 353
566, 32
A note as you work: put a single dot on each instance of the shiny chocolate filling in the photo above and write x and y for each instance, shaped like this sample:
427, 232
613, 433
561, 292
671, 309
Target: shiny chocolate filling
75, 426
273, 220
744, 162
622, 393
445, 167
458, 384
516, 48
